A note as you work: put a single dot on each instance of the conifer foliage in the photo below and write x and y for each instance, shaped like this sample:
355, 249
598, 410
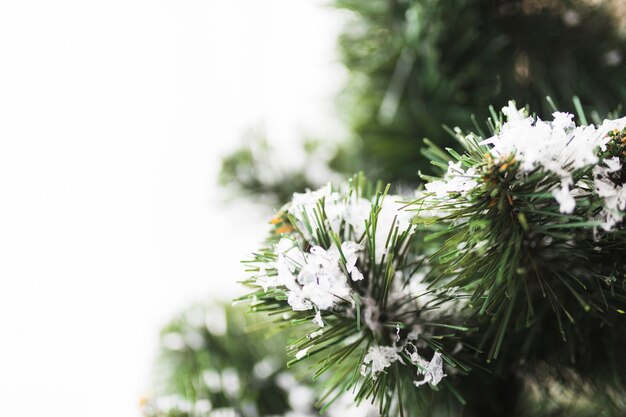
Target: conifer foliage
509, 266
343, 266
416, 65
495, 287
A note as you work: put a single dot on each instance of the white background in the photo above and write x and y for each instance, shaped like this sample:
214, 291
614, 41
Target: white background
113, 117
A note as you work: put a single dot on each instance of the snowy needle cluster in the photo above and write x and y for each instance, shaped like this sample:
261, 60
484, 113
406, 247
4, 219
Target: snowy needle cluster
346, 270
531, 222
506, 273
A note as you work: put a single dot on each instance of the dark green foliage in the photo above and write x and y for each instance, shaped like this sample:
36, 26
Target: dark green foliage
416, 65
541, 336
543, 332
380, 311
548, 289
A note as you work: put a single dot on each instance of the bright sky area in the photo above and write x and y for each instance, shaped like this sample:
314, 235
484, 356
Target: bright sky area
113, 118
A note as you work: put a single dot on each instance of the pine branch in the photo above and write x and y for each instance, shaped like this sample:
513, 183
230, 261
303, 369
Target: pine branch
343, 262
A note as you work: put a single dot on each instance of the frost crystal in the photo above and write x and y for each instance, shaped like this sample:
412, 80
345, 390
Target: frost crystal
378, 358
432, 371
315, 278
320, 277
322, 281
614, 197
302, 353
318, 319
456, 180
354, 211
613, 164
350, 250
558, 147
565, 199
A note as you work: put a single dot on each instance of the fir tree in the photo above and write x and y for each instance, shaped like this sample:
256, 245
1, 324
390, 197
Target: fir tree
507, 283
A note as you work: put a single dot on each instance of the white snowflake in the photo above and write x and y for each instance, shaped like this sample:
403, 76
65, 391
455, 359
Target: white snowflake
564, 197
377, 359
318, 319
322, 281
355, 212
614, 197
432, 371
613, 164
351, 250
456, 180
